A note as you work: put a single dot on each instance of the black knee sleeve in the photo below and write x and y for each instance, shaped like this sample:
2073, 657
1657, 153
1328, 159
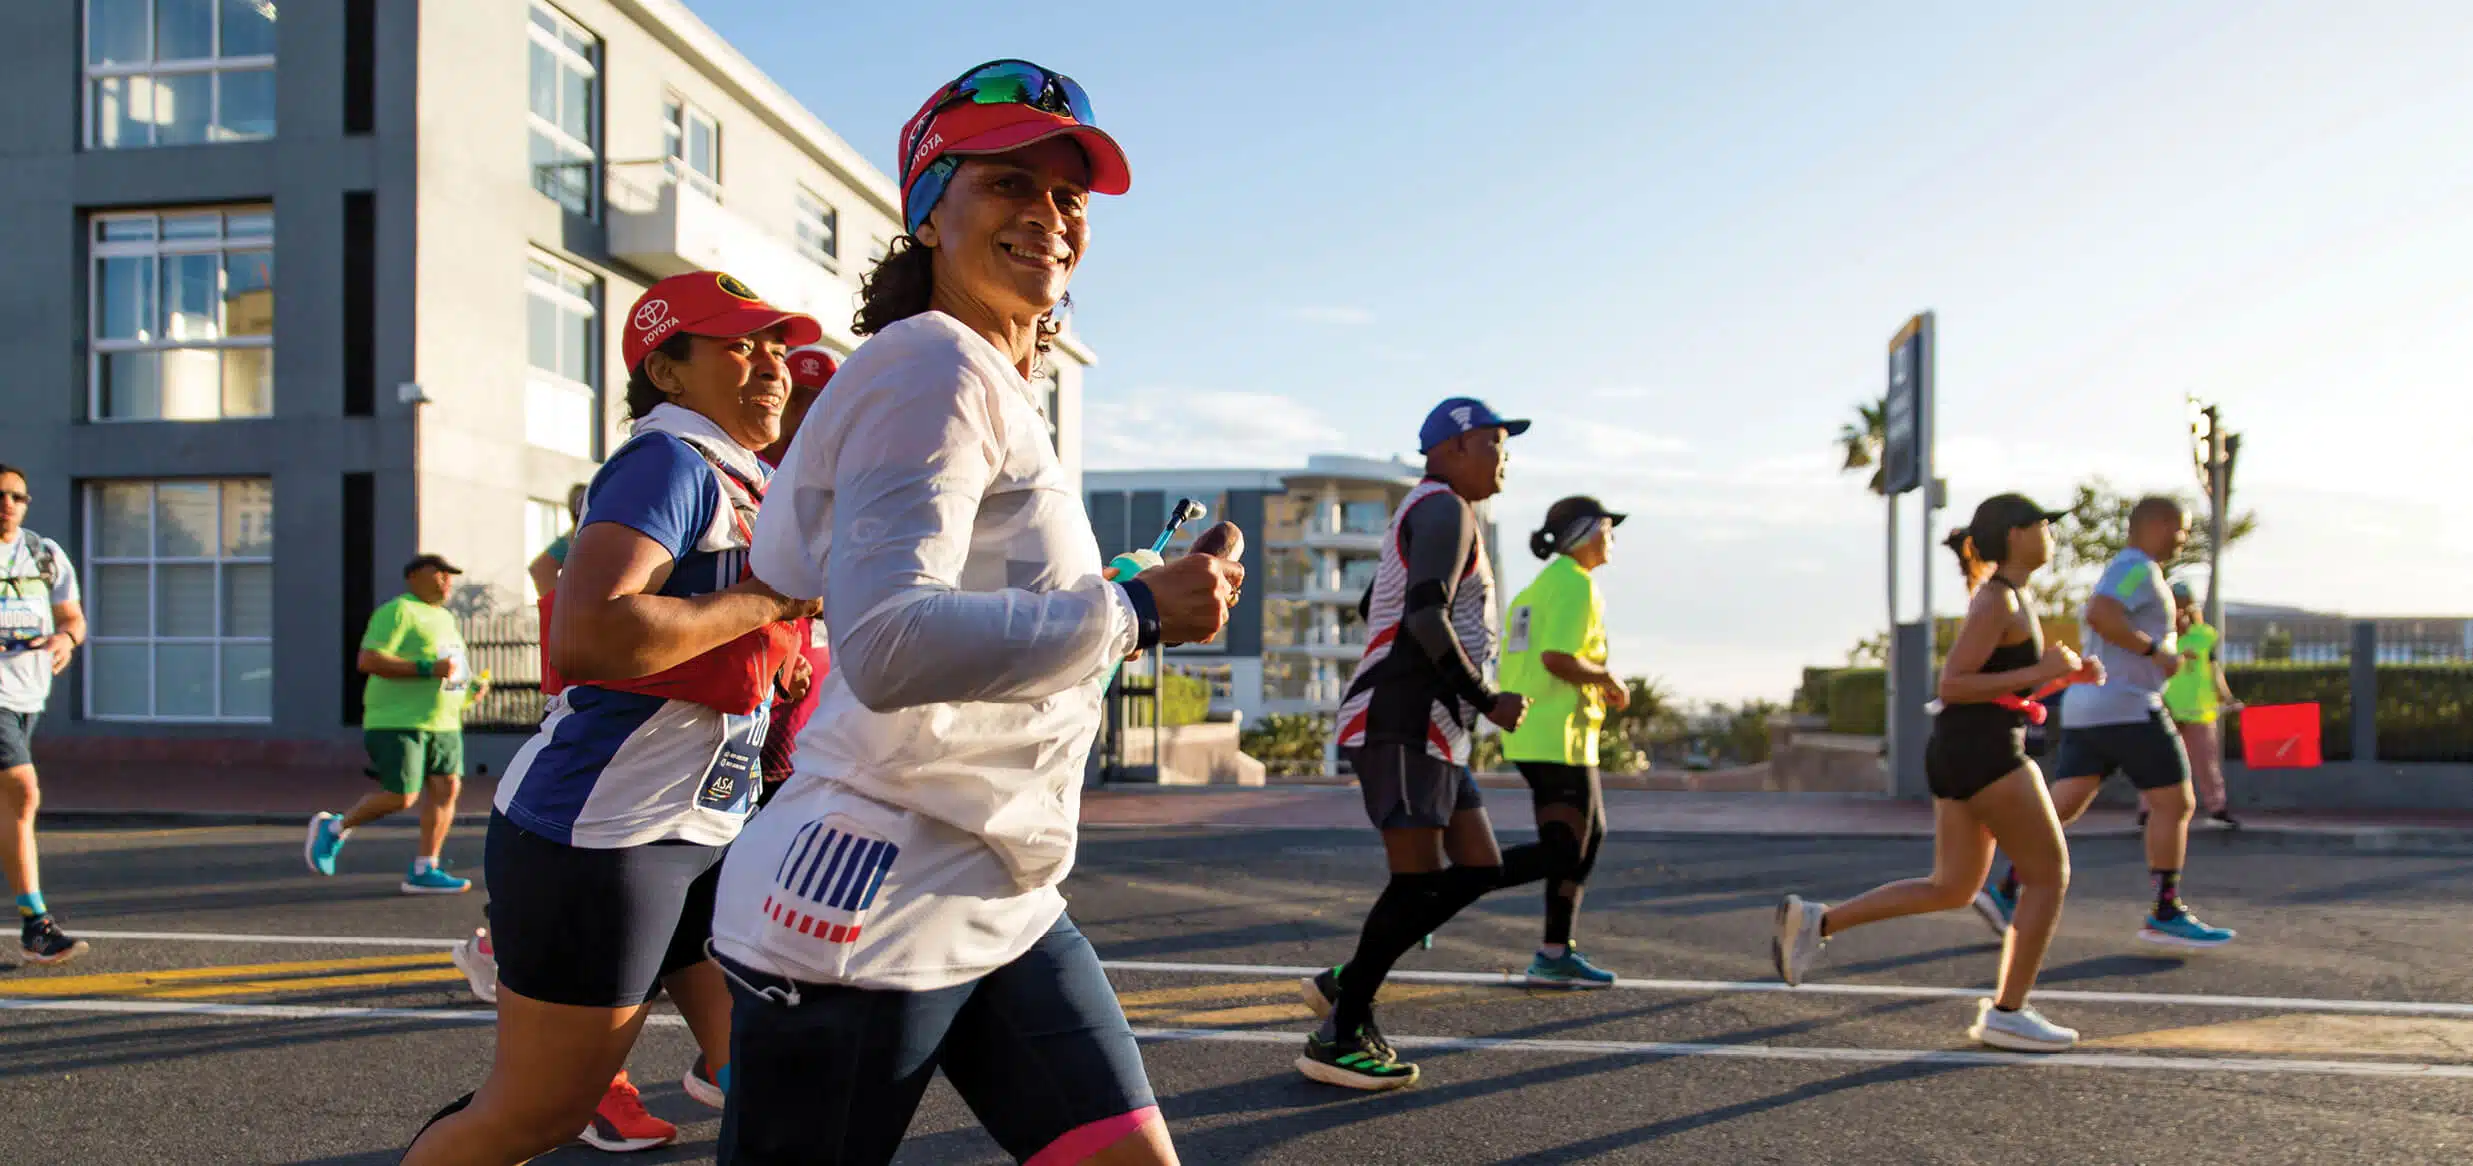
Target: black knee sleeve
1565, 854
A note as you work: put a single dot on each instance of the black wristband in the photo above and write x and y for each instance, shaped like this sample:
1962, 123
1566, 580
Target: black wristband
1145, 613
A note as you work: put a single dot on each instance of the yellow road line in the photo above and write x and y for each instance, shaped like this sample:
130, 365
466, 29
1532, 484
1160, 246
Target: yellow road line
2310, 1034
313, 983
151, 982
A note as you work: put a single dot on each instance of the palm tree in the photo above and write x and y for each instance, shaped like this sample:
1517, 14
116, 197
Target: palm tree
1863, 438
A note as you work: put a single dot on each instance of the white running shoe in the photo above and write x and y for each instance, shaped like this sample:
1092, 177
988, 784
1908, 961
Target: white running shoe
2023, 1031
479, 964
1798, 939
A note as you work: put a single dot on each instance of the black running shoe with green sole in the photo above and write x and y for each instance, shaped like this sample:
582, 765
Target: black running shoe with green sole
1361, 1061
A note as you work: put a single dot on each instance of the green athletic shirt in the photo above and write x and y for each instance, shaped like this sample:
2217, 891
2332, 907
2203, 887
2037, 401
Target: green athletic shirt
409, 629
1560, 611
2190, 694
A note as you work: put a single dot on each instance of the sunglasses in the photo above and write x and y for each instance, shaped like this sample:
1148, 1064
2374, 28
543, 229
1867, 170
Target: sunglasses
20, 497
1005, 82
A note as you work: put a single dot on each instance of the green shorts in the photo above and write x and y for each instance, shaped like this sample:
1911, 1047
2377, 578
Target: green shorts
400, 760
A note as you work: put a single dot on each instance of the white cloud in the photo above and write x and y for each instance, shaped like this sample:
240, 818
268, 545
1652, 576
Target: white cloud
1339, 315
1177, 428
1615, 441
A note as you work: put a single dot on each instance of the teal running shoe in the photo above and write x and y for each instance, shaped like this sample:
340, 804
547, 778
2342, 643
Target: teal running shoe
2183, 929
1996, 910
326, 839
1568, 970
434, 881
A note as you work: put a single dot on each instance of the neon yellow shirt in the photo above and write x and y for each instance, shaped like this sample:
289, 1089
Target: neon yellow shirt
1560, 611
2190, 694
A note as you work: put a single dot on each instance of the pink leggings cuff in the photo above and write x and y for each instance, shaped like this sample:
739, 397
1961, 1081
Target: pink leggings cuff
1080, 1142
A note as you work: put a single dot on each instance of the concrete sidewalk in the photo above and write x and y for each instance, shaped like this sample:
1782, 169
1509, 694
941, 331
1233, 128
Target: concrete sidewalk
156, 794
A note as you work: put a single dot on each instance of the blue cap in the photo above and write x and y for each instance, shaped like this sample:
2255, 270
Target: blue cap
1460, 415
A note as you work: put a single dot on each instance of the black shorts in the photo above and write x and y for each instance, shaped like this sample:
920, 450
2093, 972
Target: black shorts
17, 738
595, 928
1038, 1048
2148, 751
1959, 763
1405, 786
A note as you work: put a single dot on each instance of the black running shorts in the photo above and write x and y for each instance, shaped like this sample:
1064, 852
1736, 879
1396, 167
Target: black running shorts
1405, 786
1958, 764
2148, 751
595, 928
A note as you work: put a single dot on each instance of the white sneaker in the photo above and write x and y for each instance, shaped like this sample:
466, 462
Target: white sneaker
2023, 1031
1798, 939
479, 964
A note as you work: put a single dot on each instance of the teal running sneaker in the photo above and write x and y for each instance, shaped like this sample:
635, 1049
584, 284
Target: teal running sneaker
1996, 910
2183, 929
1362, 1060
326, 839
1568, 970
433, 881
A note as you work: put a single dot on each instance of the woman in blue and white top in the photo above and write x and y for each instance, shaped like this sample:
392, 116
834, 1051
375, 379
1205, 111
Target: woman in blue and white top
611, 821
894, 911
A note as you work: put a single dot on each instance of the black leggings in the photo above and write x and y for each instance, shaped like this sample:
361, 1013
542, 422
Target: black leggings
1558, 789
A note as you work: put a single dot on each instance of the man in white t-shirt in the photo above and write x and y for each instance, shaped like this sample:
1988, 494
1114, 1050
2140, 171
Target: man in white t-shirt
41, 625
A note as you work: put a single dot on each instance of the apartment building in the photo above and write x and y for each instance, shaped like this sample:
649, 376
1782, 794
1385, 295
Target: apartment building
303, 289
1315, 536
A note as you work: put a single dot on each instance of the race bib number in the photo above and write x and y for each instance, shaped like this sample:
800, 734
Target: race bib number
732, 780
1516, 639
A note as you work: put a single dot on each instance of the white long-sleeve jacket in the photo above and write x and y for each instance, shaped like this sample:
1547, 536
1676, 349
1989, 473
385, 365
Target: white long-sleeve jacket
936, 791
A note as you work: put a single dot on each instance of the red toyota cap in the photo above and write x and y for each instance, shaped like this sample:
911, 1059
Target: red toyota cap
810, 368
707, 303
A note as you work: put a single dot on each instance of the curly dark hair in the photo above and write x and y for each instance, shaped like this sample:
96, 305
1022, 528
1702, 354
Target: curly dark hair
901, 284
642, 394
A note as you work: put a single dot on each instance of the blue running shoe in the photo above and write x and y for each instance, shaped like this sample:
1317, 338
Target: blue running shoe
434, 881
1996, 910
2184, 930
326, 839
1568, 970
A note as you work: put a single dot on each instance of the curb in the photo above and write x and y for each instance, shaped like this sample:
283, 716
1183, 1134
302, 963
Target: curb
132, 819
2402, 842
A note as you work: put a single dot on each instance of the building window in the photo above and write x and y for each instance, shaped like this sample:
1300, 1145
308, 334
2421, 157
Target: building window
819, 230
566, 109
560, 393
877, 249
1358, 574
543, 523
1287, 571
691, 146
179, 72
1285, 517
180, 590
181, 326
1358, 516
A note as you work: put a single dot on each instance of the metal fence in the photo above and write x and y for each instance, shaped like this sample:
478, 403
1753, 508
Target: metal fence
2329, 640
508, 647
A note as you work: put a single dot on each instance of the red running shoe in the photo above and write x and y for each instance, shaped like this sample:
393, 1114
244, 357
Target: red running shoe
621, 1124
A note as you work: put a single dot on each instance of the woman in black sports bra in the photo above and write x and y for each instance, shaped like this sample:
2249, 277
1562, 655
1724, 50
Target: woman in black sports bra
1984, 788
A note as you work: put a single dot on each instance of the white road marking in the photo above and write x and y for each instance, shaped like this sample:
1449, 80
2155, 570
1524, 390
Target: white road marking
1895, 991
1514, 980
305, 940
2391, 1070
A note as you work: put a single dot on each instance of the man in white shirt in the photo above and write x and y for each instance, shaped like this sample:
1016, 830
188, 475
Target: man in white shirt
41, 625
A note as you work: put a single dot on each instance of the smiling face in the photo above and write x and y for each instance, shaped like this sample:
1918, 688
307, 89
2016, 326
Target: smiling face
1011, 227
13, 503
739, 383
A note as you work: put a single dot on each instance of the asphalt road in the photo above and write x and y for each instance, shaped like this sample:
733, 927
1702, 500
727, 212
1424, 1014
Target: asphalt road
2338, 1029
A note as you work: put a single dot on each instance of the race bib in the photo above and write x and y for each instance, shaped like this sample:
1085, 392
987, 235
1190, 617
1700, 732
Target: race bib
731, 782
1516, 639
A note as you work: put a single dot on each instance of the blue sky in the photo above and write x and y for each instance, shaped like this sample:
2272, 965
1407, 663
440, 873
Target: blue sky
1680, 237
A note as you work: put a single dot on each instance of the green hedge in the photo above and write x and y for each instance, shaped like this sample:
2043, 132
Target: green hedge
1183, 700
1859, 701
2425, 711
1813, 696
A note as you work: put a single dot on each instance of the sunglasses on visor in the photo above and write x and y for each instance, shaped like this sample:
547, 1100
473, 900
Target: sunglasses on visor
1009, 82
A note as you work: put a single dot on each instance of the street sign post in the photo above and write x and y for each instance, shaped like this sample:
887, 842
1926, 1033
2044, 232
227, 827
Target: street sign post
1906, 465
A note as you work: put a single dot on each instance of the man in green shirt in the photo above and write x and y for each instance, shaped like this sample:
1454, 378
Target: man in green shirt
2196, 696
412, 721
